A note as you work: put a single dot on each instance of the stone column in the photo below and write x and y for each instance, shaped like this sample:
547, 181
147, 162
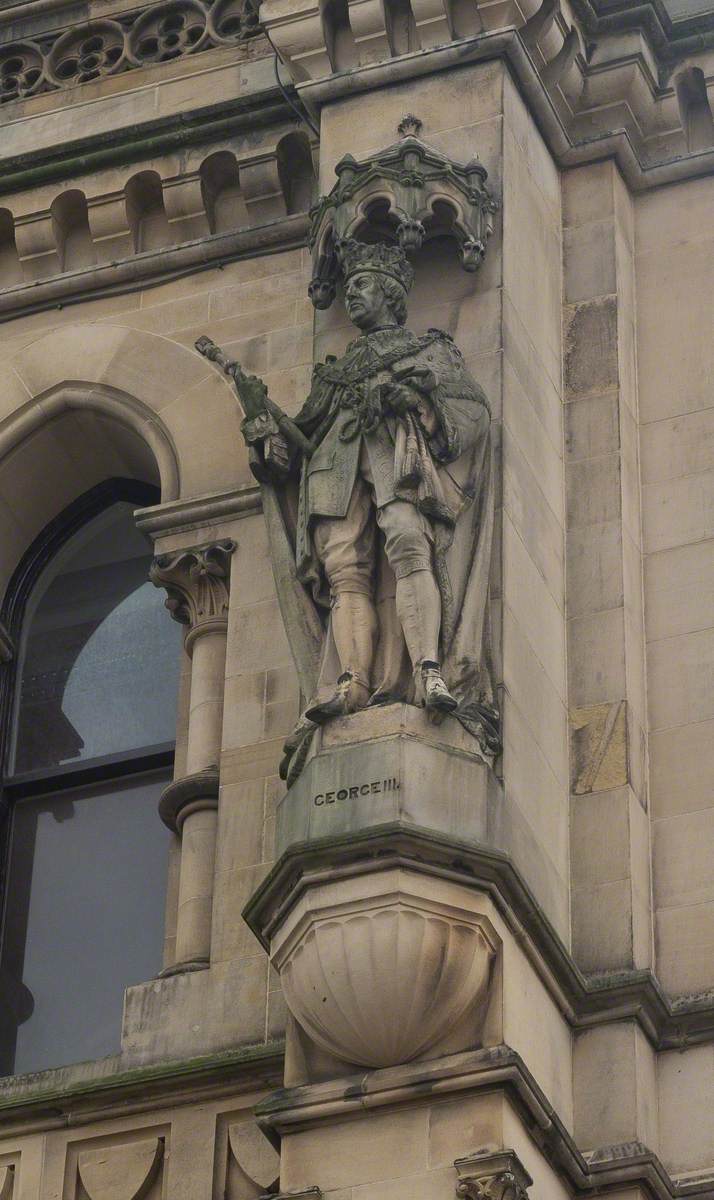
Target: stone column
197, 581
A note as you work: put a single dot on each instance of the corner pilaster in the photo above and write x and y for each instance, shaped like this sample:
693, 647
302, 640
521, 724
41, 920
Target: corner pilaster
610, 851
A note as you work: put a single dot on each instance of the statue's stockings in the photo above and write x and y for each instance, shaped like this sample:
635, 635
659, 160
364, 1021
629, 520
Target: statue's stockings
355, 627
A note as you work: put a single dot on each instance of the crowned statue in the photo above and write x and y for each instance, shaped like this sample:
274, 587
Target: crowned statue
378, 498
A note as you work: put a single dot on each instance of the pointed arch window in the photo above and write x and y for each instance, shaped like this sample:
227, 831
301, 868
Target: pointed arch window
89, 717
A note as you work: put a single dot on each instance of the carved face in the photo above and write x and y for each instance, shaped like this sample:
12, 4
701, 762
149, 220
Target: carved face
366, 303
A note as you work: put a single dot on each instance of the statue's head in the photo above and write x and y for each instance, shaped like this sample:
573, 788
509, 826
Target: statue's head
377, 280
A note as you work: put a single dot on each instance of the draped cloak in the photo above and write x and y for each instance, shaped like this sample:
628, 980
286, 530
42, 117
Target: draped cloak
442, 465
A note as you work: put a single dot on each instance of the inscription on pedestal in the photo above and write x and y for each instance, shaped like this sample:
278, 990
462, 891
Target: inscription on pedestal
395, 771
375, 788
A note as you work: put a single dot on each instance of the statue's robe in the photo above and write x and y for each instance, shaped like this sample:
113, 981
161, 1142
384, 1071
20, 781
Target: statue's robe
441, 464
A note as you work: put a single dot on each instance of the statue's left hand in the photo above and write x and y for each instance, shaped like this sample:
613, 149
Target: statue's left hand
421, 378
400, 398
410, 389
413, 393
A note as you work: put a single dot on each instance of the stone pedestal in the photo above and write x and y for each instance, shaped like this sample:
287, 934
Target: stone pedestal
387, 765
382, 959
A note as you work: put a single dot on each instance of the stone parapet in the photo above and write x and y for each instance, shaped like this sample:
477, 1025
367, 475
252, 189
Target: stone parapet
53, 54
138, 224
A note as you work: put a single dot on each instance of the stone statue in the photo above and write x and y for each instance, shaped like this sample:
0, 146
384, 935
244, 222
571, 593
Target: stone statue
378, 499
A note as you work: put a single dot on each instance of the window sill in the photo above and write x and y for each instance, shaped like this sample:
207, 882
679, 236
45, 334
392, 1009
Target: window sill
45, 1099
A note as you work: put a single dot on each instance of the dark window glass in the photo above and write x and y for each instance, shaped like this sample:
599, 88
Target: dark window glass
99, 660
84, 919
89, 752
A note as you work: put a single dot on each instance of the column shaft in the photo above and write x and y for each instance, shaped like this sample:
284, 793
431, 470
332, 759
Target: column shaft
206, 705
197, 582
195, 904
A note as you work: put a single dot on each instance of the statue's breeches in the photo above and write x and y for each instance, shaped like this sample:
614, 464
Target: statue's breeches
347, 546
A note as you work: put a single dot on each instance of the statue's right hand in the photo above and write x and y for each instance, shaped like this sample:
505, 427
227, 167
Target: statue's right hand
276, 453
259, 428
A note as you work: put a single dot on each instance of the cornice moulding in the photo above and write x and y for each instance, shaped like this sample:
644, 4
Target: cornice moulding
582, 1000
567, 149
60, 1097
151, 138
183, 516
154, 267
497, 1068
650, 17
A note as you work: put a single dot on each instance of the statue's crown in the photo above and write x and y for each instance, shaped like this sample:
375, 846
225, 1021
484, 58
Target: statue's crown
382, 259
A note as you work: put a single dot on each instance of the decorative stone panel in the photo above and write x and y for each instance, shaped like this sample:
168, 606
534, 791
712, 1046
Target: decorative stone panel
86, 53
249, 1165
598, 747
121, 1172
108, 46
22, 71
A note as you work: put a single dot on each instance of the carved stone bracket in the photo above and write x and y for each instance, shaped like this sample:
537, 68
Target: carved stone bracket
7, 1181
496, 1176
198, 583
409, 192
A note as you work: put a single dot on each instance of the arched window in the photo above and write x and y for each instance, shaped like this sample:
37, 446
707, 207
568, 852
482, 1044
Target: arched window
90, 718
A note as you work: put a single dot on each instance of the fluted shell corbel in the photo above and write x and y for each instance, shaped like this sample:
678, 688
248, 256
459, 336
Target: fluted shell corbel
378, 979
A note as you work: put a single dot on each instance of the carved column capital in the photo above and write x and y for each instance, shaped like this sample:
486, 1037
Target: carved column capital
197, 582
496, 1176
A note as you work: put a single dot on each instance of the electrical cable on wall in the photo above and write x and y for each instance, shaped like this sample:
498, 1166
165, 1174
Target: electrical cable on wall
302, 116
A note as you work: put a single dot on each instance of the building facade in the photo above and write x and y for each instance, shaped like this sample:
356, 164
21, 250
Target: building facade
444, 945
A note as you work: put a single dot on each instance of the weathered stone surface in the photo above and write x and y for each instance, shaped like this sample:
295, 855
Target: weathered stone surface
406, 773
599, 747
379, 968
383, 534
120, 1172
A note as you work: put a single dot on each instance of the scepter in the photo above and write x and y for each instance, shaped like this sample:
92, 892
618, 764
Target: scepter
253, 395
